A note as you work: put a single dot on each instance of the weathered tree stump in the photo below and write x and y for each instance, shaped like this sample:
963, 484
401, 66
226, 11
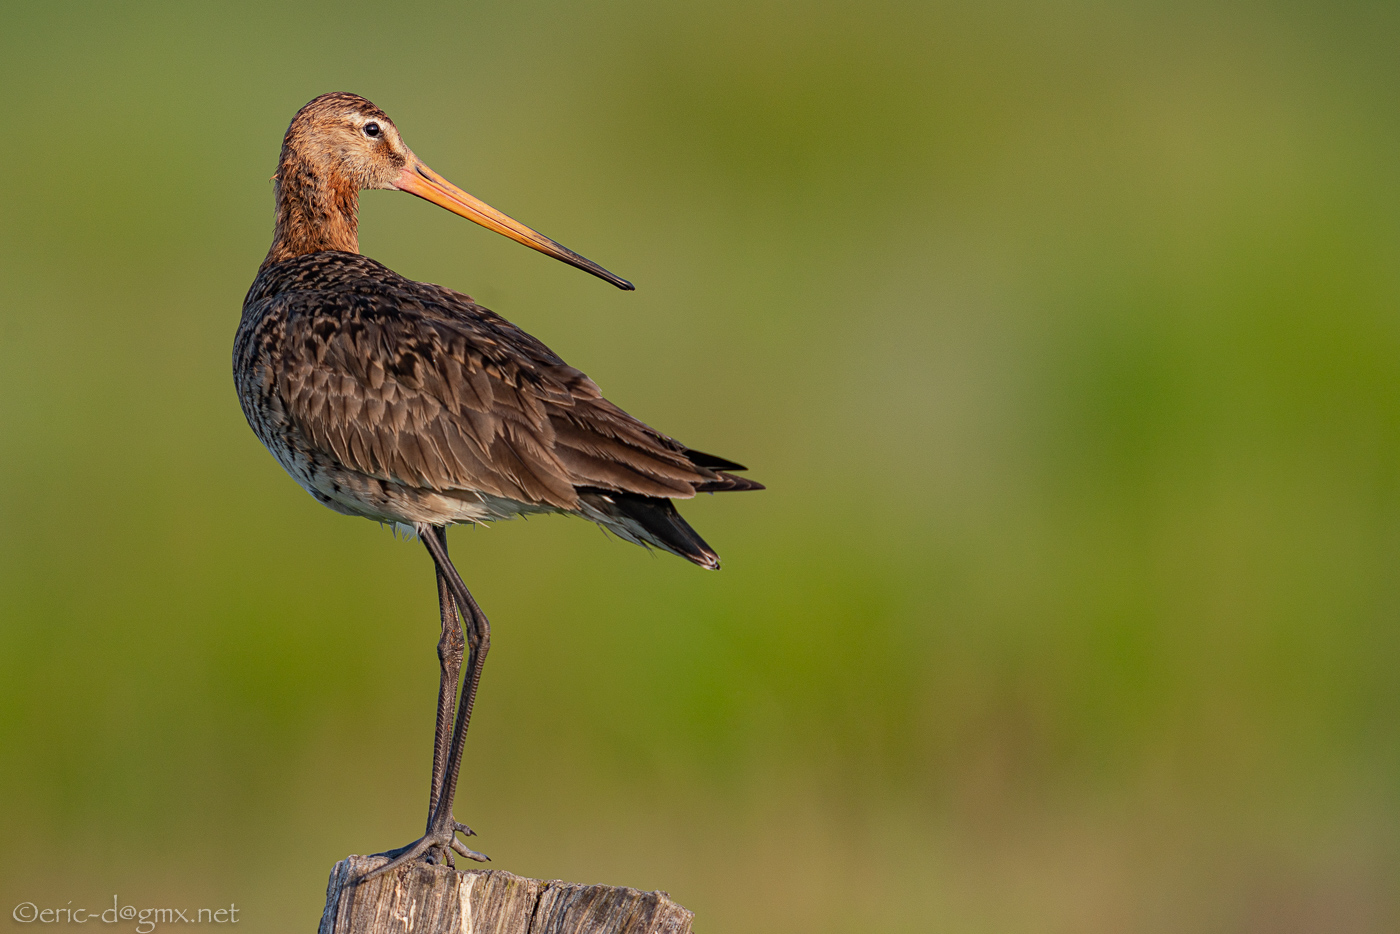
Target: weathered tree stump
422, 899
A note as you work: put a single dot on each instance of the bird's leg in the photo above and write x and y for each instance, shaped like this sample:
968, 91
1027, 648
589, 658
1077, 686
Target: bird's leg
451, 647
442, 825
479, 642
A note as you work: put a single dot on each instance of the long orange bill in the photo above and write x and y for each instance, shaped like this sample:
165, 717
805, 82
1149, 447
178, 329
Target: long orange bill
418, 179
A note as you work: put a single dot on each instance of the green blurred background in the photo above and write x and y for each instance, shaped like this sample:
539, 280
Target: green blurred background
1066, 336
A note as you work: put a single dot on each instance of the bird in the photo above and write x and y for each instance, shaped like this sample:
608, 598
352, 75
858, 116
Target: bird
410, 404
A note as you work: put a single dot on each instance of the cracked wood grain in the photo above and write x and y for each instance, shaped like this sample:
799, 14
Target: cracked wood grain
423, 899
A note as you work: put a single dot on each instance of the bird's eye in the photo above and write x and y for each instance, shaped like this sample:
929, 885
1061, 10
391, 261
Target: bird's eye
372, 130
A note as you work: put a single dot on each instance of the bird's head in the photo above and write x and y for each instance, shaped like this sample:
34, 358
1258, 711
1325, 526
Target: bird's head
345, 140
344, 144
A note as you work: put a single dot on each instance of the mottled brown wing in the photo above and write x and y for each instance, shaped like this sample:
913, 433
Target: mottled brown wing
418, 385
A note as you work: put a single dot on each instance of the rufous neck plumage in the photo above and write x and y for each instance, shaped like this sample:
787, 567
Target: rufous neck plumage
315, 210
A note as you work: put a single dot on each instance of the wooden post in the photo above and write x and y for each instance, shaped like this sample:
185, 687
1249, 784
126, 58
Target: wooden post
423, 899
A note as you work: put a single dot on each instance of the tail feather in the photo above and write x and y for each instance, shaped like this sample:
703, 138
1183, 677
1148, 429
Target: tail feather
653, 520
647, 520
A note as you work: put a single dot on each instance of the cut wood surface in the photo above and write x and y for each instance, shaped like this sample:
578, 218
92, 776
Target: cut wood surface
423, 899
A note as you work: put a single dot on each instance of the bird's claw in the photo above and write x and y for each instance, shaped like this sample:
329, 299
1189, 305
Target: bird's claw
462, 849
428, 847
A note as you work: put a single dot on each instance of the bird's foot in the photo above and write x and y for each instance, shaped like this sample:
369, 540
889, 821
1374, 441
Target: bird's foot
434, 847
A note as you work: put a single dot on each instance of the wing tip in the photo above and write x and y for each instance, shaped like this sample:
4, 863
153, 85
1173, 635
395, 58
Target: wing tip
728, 483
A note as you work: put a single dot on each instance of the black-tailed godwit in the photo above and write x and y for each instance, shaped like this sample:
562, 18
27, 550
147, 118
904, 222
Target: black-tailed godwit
409, 403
